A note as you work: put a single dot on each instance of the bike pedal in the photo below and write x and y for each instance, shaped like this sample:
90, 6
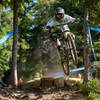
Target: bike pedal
69, 48
70, 57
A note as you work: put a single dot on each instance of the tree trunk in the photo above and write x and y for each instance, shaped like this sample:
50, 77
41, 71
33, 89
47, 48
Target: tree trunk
14, 49
86, 44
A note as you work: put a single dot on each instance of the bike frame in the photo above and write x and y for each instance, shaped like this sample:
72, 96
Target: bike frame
65, 33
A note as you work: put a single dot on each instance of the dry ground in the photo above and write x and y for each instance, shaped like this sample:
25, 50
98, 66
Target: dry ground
39, 94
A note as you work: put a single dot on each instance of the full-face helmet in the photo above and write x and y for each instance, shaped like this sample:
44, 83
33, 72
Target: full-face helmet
59, 13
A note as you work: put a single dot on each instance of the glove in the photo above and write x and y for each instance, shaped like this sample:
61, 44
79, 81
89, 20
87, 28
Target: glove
48, 28
77, 20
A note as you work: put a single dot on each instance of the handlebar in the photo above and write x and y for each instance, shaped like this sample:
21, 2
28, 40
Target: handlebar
63, 24
60, 24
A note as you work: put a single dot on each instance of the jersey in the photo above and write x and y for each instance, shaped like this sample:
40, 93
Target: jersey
66, 19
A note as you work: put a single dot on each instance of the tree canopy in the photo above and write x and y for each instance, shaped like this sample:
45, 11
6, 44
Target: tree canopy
34, 54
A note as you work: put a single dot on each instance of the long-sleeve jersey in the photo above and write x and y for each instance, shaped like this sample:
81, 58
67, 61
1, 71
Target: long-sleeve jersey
66, 19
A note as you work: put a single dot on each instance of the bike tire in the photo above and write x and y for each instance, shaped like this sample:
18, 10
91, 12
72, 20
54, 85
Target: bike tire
66, 68
65, 60
72, 48
69, 43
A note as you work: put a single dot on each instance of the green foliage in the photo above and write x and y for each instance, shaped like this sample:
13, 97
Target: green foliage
5, 51
85, 89
77, 2
4, 58
83, 98
32, 19
91, 89
93, 96
37, 75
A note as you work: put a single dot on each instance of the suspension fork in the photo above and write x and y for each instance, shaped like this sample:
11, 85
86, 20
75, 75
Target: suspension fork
66, 34
58, 41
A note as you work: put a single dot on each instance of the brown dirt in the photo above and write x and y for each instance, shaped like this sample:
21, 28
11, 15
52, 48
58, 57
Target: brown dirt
39, 94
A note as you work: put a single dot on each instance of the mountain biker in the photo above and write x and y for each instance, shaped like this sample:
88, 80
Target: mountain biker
60, 17
5, 78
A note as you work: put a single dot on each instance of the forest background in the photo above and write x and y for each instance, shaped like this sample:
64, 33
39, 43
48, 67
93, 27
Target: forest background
37, 55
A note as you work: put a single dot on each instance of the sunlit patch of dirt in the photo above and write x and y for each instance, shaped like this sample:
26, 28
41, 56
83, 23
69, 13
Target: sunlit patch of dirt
39, 94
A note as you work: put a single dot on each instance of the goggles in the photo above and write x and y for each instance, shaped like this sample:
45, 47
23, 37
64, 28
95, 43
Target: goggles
59, 16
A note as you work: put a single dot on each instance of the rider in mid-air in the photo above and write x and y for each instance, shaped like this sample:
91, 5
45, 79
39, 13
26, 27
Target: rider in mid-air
60, 18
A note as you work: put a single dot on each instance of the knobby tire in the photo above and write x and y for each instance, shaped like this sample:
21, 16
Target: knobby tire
70, 47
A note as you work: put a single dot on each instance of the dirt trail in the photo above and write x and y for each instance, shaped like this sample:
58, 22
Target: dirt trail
39, 94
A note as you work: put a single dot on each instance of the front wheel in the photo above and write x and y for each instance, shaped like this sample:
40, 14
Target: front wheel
66, 67
72, 48
65, 62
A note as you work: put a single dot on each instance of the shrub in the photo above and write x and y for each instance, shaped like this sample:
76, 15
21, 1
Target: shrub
91, 89
93, 96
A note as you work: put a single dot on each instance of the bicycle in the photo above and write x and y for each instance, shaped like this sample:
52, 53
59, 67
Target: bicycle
68, 53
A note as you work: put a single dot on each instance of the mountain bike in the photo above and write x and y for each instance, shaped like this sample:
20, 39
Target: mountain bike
68, 52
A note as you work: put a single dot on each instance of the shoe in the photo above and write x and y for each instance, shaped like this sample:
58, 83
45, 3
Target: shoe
60, 48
